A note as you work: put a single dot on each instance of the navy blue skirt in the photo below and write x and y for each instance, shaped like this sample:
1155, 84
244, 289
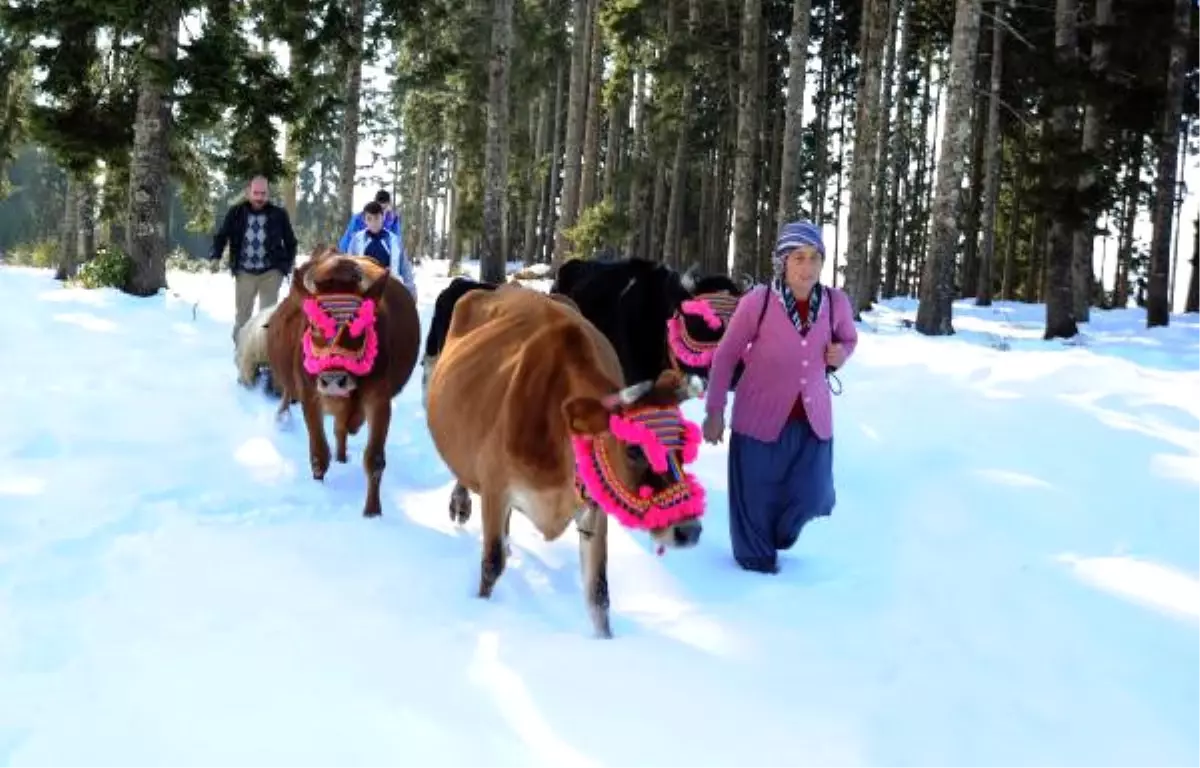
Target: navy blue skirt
774, 489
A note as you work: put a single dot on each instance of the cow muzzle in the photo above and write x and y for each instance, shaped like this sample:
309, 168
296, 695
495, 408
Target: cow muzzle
336, 384
682, 535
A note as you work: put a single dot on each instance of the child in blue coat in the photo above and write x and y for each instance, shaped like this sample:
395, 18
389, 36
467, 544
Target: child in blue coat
382, 246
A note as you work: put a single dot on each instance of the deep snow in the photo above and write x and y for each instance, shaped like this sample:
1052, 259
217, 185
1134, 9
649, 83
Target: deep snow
1010, 576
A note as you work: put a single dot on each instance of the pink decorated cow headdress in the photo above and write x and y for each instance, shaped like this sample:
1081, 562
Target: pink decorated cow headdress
665, 437
714, 310
339, 316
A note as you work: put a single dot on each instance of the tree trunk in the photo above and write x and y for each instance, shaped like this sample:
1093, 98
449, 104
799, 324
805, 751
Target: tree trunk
745, 208
820, 181
576, 106
788, 205
969, 280
937, 283
866, 137
534, 206
1129, 210
898, 156
550, 209
1008, 286
880, 193
293, 157
994, 159
1193, 294
1158, 303
1081, 264
87, 220
68, 233
491, 261
454, 247
150, 163
348, 167
590, 174
634, 239
679, 163
1060, 302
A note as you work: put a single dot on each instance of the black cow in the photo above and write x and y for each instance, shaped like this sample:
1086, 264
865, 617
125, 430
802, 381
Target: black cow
443, 309
629, 301
635, 302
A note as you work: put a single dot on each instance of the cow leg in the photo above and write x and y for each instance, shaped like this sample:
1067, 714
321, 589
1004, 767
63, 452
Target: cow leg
284, 405
495, 510
460, 504
349, 420
507, 534
318, 445
339, 436
379, 418
593, 558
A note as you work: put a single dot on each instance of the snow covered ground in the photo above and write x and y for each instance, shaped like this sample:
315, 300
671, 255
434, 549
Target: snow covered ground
1010, 576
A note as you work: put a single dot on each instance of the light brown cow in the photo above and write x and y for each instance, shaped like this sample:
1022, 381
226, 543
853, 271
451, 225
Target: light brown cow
527, 407
344, 341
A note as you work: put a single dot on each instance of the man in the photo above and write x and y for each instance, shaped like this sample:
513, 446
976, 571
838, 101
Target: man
391, 222
382, 246
262, 250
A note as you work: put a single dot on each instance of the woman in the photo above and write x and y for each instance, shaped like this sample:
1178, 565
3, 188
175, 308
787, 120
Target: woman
781, 450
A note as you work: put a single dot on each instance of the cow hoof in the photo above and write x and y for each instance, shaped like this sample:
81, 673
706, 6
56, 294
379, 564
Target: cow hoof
603, 630
372, 512
341, 456
460, 506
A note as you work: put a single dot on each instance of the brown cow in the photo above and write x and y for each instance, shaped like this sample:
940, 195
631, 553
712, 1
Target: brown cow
527, 407
344, 342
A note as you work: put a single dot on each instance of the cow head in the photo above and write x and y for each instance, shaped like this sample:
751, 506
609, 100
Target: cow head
630, 451
340, 299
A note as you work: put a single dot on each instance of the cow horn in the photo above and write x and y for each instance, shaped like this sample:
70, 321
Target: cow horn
309, 285
634, 392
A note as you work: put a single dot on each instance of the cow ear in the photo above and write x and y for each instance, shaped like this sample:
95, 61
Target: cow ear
586, 416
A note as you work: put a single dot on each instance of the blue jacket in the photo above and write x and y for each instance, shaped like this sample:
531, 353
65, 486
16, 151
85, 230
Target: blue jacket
391, 222
399, 263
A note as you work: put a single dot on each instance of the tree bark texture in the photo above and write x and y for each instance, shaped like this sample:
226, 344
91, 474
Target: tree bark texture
993, 160
576, 106
492, 263
937, 283
1158, 303
745, 207
866, 137
348, 167
1060, 302
150, 163
788, 204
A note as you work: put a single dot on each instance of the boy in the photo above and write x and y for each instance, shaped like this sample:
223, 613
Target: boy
382, 246
391, 221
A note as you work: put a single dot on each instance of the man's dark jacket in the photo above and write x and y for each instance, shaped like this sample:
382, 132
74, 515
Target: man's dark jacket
280, 242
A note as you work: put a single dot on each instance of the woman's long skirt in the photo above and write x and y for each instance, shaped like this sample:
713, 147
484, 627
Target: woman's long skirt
774, 489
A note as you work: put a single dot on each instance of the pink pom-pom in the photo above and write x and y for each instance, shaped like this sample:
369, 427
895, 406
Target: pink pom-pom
645, 491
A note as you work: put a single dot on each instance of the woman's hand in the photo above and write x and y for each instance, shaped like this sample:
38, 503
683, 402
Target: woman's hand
835, 355
713, 428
